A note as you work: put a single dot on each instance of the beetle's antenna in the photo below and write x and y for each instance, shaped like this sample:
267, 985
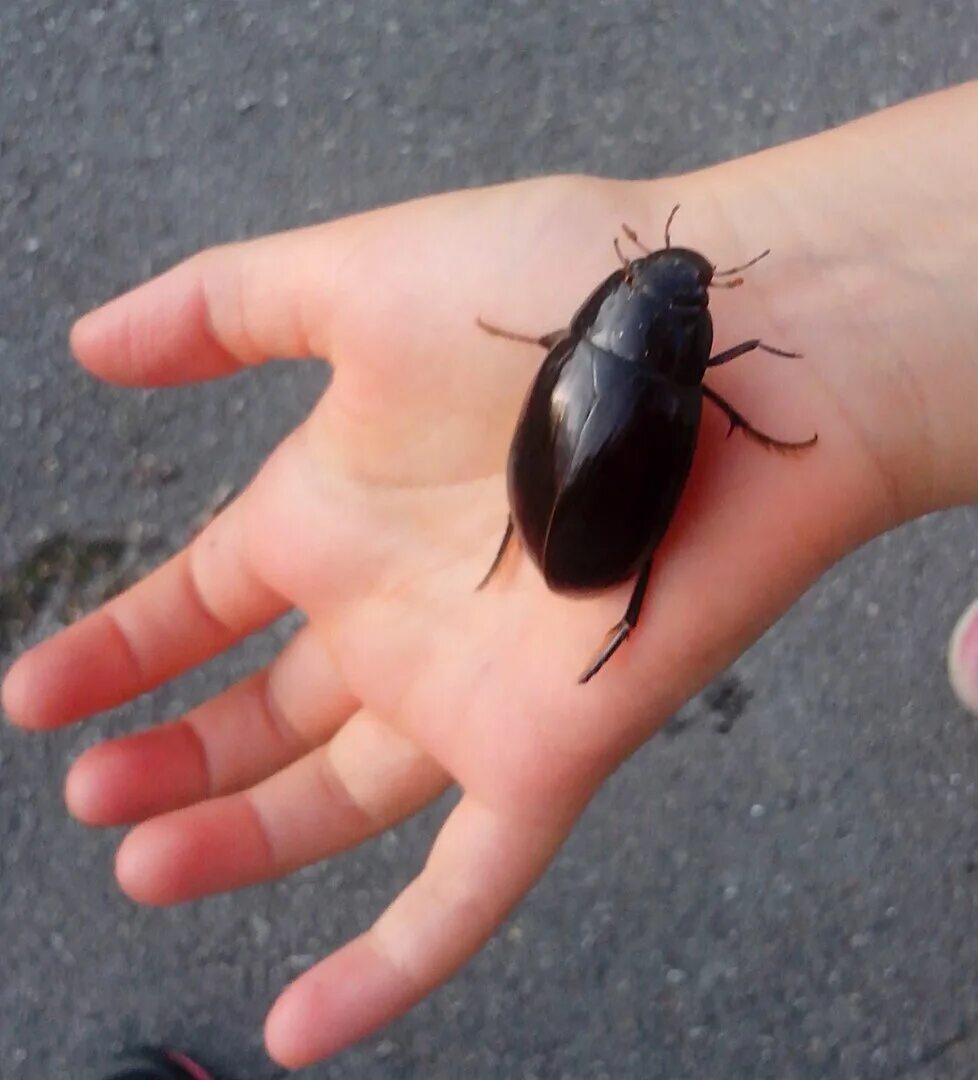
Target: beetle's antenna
633, 236
672, 214
733, 284
747, 265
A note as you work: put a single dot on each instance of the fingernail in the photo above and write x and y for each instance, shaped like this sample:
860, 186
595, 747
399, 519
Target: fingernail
963, 659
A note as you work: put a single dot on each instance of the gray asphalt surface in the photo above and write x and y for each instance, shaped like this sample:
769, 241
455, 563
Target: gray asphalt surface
784, 883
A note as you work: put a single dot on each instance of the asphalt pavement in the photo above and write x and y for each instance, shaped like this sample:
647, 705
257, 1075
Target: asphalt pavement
784, 883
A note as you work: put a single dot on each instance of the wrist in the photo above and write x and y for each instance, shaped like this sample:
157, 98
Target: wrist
873, 274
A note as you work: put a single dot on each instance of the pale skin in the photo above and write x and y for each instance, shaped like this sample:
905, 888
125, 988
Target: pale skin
379, 515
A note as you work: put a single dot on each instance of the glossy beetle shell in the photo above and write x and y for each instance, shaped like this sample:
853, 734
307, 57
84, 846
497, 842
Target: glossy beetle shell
605, 441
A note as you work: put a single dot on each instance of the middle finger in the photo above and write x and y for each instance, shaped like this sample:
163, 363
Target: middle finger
239, 737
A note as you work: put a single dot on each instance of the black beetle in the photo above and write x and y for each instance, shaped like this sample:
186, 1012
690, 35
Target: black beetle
605, 441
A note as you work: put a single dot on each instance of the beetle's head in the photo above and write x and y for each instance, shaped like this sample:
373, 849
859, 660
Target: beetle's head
680, 274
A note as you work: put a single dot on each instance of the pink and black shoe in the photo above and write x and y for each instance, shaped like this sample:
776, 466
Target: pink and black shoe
152, 1063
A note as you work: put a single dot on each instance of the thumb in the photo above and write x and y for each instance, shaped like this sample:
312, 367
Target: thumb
229, 307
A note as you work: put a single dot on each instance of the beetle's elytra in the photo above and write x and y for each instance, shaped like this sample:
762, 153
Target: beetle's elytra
605, 440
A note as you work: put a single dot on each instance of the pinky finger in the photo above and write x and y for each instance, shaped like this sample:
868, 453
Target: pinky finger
480, 867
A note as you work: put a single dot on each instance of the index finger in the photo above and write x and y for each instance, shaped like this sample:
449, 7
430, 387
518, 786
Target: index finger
480, 867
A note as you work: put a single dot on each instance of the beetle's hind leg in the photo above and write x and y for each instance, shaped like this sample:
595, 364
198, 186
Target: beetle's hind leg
739, 421
548, 341
507, 536
618, 634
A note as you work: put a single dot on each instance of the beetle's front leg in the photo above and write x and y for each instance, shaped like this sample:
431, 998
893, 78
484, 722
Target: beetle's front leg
617, 634
548, 341
739, 421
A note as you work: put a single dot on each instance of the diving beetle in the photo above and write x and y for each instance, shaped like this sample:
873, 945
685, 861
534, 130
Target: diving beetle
605, 440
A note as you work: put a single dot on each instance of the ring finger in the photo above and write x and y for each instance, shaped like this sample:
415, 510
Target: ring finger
364, 780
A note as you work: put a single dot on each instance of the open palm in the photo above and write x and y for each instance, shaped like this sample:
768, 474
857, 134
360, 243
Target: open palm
378, 517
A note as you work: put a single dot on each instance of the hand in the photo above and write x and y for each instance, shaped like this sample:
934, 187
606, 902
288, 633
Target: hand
380, 514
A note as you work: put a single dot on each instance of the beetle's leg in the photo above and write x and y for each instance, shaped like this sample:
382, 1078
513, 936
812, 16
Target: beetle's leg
743, 266
738, 421
617, 634
633, 236
507, 536
746, 347
626, 262
548, 341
